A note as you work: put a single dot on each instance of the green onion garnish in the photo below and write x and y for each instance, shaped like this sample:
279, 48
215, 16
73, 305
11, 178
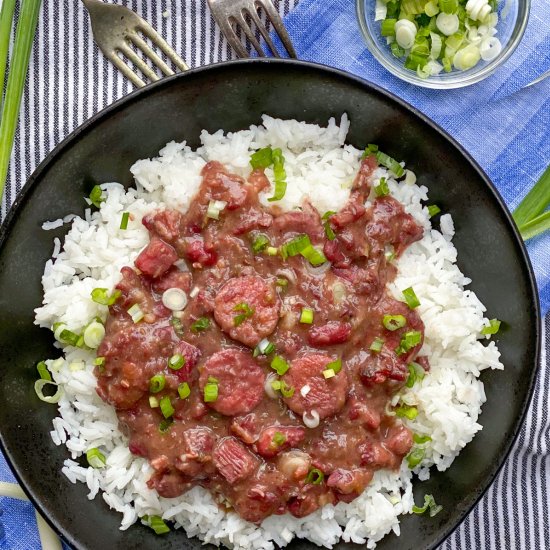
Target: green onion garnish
263, 158
43, 371
39, 386
448, 6
176, 362
22, 47
96, 196
411, 298
387, 27
69, 337
493, 328
177, 325
95, 458
382, 189
336, 366
306, 316
421, 439
157, 383
124, 220
406, 411
99, 361
165, 424
278, 439
153, 402
265, 347
377, 345
93, 334
329, 232
315, 476
282, 282
295, 246
259, 243
279, 174
157, 524
202, 323
211, 391
408, 341
416, 373
429, 502
414, 458
214, 209
529, 215
135, 313
433, 210
166, 407
247, 312
329, 373
184, 391
286, 390
102, 296
279, 365
390, 163
394, 322
314, 256
271, 251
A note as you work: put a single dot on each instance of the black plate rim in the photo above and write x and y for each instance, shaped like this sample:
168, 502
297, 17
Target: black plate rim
140, 93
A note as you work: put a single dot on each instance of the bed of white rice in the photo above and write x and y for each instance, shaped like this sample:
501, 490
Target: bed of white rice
320, 167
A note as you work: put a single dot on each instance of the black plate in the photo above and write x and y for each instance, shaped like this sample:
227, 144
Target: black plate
232, 96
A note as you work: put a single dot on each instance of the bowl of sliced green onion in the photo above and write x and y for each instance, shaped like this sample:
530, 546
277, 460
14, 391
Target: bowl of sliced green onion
442, 43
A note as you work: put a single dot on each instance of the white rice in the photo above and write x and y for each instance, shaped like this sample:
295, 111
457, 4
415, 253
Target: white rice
320, 167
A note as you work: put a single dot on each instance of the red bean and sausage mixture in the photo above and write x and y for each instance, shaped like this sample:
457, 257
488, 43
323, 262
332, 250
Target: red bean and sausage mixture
271, 387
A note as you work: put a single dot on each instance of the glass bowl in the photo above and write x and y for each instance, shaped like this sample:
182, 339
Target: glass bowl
513, 16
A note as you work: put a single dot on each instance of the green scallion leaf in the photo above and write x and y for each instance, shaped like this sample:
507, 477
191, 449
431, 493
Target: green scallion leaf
390, 163
279, 175
421, 439
211, 391
43, 371
382, 189
278, 439
377, 345
314, 256
493, 328
536, 226
535, 202
406, 411
329, 232
411, 298
336, 366
157, 524
414, 458
286, 390
263, 158
279, 365
96, 196
6, 19
247, 312
177, 325
201, 324
124, 220
184, 391
429, 502
102, 296
387, 27
394, 322
95, 458
306, 316
315, 476
165, 424
433, 210
408, 341
259, 243
166, 407
176, 362
157, 383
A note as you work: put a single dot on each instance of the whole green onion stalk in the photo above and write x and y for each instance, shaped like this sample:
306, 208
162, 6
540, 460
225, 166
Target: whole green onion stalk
24, 37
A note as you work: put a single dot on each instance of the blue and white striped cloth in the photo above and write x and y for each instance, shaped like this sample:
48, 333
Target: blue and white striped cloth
506, 132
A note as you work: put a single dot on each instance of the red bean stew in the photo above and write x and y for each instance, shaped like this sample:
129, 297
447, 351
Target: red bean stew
271, 388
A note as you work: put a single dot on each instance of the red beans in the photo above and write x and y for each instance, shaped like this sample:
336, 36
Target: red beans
276, 439
233, 460
334, 332
240, 381
156, 258
173, 278
165, 223
200, 254
257, 302
349, 482
326, 396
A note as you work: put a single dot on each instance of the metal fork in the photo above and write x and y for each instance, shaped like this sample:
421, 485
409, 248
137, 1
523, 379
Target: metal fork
116, 29
230, 14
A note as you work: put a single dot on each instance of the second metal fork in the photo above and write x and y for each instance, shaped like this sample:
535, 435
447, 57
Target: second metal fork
231, 14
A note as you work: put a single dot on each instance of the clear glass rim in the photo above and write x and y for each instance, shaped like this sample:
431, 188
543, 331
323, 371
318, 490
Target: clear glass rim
461, 80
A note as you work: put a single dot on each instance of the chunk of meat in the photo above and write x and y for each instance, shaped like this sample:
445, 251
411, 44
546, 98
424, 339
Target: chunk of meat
326, 396
375, 455
169, 484
199, 253
123, 386
305, 504
333, 332
240, 381
349, 482
276, 439
360, 411
223, 186
246, 428
191, 354
233, 460
164, 223
258, 180
135, 290
383, 366
399, 440
251, 300
305, 221
352, 211
173, 278
253, 218
198, 444
156, 258
363, 180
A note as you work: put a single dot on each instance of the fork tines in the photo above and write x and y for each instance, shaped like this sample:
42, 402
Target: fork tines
231, 15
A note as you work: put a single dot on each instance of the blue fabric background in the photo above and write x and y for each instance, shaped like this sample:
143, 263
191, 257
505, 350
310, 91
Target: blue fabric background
506, 129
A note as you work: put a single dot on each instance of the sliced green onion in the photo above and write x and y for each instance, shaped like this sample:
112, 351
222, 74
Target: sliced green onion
421, 439
166, 407
278, 439
295, 246
394, 322
95, 458
448, 6
336, 366
390, 163
176, 362
329, 373
184, 391
264, 347
96, 196
263, 158
329, 232
279, 365
411, 298
39, 386
259, 243
282, 282
306, 316
382, 189
328, 214
214, 209
22, 47
276, 385
429, 502
535, 202
99, 362
157, 524
408, 341
389, 253
124, 220
433, 210
406, 411
69, 337
315, 476
271, 251
177, 325
286, 390
102, 296
414, 458
377, 344
411, 379
493, 328
135, 313
279, 173
165, 424
153, 402
387, 27
397, 50
431, 8
211, 391
93, 334
202, 323
247, 312
43, 371
467, 57
157, 383
536, 226
314, 256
